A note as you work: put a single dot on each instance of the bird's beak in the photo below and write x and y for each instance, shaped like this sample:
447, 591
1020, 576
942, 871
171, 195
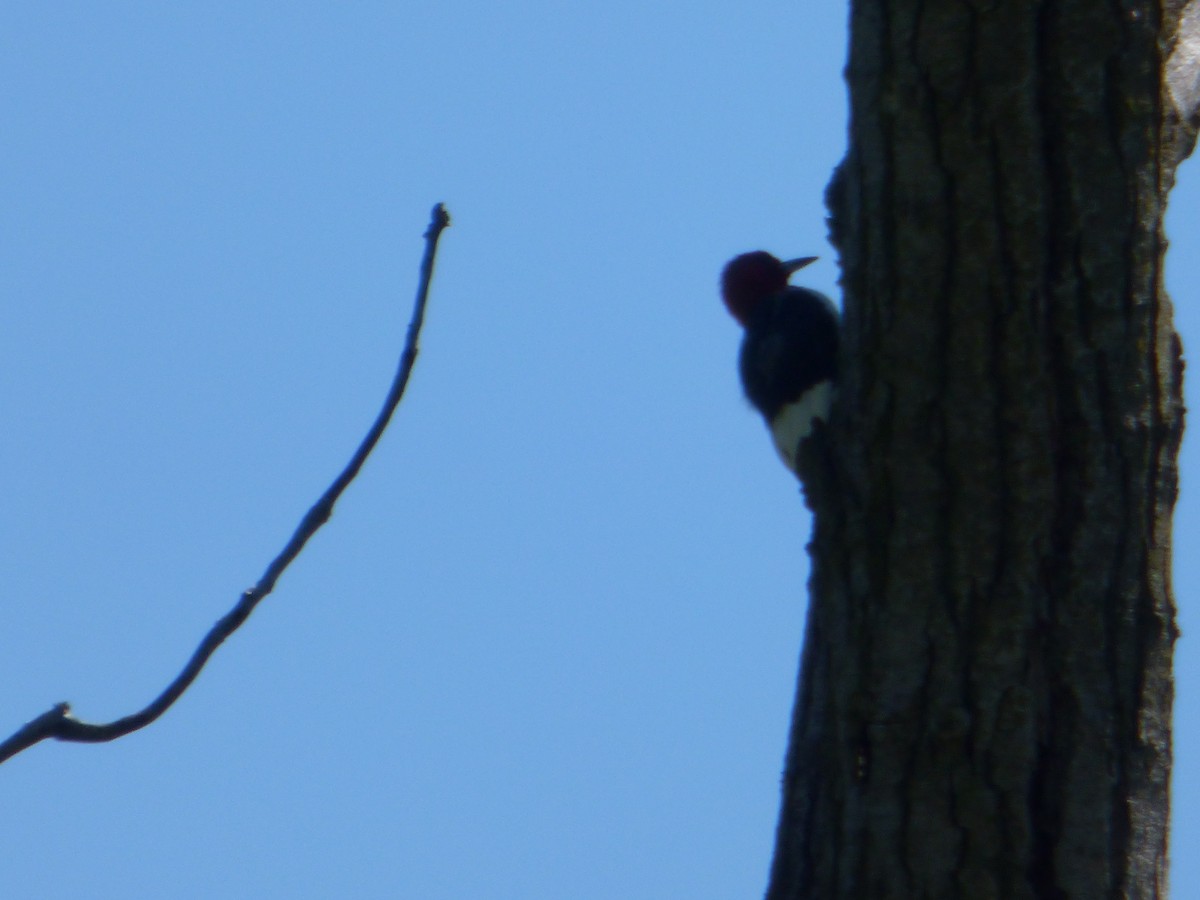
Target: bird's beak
795, 265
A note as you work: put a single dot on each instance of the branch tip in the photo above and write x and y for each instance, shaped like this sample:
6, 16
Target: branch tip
439, 219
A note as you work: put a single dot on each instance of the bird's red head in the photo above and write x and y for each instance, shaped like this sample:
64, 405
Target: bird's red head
751, 278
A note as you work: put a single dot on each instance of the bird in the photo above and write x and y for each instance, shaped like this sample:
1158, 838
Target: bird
788, 356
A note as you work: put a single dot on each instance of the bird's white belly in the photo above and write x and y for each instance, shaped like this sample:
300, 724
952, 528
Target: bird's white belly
795, 421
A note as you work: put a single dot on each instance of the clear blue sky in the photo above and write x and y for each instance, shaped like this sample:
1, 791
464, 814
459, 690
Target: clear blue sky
547, 645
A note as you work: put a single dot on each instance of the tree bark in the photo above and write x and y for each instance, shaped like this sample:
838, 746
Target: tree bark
985, 692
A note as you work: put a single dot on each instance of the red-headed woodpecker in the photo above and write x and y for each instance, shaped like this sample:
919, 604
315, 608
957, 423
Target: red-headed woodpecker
788, 360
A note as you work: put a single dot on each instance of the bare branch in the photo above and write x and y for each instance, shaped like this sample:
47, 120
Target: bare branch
59, 724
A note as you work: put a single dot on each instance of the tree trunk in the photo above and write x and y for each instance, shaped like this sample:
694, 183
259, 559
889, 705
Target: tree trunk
985, 693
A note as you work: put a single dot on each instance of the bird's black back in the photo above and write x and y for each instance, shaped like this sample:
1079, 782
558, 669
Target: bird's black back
790, 345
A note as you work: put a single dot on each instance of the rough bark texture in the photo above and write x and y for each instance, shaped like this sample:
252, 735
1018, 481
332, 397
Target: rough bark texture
985, 692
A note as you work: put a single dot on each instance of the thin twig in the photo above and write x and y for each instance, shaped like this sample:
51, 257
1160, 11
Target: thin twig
59, 724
